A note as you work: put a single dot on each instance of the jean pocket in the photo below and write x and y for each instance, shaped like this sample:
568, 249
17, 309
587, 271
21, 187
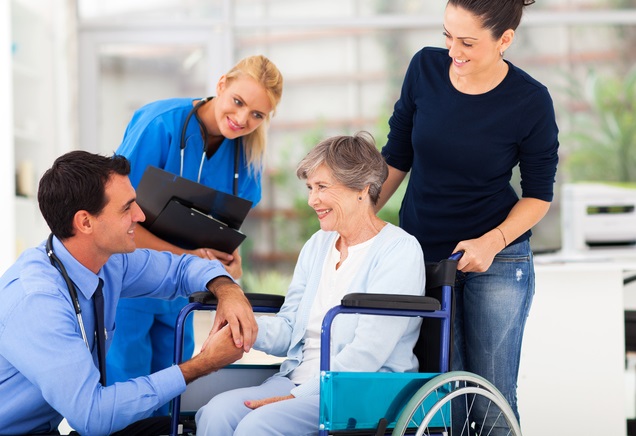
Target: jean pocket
519, 252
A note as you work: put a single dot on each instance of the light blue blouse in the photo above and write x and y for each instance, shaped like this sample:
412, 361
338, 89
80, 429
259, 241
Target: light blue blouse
394, 265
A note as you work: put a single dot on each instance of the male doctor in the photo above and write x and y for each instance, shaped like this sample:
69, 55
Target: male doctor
50, 356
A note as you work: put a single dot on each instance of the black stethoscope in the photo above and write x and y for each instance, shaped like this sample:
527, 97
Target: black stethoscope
237, 144
57, 263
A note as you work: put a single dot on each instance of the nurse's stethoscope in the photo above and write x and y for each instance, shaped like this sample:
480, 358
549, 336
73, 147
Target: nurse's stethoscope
237, 144
57, 263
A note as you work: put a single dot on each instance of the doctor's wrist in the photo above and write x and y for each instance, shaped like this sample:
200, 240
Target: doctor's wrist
222, 285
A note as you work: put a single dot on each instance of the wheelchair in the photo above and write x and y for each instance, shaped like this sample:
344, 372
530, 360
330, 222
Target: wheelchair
428, 402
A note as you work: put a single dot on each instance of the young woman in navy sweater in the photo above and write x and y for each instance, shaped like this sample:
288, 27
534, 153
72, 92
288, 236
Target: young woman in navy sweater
465, 118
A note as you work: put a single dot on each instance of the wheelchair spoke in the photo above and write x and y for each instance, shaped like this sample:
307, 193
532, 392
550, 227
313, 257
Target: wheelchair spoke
481, 409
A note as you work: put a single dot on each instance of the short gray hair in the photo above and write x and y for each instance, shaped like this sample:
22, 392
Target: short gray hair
354, 161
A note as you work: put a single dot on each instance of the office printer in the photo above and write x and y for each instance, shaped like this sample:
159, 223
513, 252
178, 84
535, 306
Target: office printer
597, 215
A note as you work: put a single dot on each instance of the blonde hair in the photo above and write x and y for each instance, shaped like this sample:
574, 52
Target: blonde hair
264, 72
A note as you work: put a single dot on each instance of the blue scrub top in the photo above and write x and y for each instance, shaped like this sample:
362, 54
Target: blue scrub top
153, 137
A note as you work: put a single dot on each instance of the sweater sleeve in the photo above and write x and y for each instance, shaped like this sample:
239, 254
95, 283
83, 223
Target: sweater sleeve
275, 332
539, 147
398, 151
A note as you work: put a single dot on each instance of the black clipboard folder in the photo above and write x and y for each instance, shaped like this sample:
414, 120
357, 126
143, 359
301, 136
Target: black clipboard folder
189, 214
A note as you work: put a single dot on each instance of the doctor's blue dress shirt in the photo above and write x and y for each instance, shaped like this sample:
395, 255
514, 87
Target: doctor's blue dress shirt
46, 370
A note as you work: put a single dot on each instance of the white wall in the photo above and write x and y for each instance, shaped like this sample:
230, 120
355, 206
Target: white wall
40, 106
7, 180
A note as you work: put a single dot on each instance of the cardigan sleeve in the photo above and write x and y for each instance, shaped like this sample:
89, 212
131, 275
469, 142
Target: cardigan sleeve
275, 332
379, 343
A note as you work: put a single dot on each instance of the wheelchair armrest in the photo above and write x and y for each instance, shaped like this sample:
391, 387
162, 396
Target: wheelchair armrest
261, 300
391, 301
203, 297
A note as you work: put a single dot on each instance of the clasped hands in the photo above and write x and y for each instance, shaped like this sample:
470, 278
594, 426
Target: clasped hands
234, 331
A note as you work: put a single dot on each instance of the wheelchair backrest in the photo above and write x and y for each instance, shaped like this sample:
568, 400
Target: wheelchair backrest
427, 349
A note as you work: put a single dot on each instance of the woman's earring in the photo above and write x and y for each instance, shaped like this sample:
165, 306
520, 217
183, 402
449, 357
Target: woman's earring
501, 52
360, 198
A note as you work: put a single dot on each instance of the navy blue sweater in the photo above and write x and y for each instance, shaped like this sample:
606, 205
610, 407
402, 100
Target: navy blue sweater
461, 149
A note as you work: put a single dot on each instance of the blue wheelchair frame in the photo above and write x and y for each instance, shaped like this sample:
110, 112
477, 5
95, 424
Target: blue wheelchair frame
261, 303
344, 389
334, 384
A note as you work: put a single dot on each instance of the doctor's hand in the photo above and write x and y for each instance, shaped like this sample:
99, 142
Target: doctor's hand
219, 352
233, 309
233, 263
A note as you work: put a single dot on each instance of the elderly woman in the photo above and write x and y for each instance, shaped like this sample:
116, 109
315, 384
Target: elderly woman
354, 251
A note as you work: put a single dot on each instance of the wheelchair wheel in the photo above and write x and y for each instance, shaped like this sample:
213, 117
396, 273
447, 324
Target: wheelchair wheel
478, 408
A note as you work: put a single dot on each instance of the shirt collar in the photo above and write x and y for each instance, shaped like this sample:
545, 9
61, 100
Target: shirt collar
85, 280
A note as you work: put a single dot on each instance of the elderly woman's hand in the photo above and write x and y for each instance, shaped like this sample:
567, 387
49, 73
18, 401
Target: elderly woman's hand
255, 404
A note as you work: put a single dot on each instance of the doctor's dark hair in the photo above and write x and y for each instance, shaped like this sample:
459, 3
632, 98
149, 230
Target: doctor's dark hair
495, 15
354, 162
76, 181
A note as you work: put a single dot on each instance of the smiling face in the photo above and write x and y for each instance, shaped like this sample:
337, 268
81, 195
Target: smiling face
336, 205
114, 227
476, 54
241, 105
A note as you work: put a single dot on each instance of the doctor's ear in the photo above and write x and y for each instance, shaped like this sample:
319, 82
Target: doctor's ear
83, 222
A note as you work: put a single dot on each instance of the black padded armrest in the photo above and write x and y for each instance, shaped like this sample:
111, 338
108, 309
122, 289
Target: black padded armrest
391, 301
203, 297
262, 300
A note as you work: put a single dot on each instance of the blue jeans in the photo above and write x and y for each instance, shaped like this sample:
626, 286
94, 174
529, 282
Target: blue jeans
490, 316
